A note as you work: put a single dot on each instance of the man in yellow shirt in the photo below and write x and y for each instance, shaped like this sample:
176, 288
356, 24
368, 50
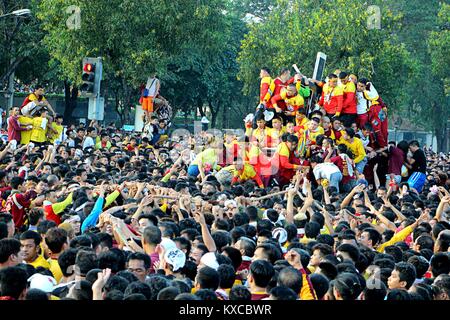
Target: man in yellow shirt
58, 129
357, 148
29, 245
56, 240
39, 131
38, 97
25, 136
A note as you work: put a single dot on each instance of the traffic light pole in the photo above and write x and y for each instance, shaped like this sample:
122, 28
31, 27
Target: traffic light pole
96, 102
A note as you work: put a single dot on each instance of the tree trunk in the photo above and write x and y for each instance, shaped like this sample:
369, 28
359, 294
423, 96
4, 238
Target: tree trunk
200, 107
70, 99
214, 112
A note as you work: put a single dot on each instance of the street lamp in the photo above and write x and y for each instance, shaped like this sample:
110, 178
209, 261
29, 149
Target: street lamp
10, 95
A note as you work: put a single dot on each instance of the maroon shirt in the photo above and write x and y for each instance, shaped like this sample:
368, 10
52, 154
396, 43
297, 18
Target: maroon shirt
396, 158
14, 128
340, 164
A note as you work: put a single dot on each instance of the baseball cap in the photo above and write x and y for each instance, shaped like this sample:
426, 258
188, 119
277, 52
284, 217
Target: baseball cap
42, 282
280, 234
176, 258
167, 244
209, 259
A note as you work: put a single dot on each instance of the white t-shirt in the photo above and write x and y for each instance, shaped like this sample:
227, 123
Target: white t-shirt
151, 86
325, 170
364, 104
88, 142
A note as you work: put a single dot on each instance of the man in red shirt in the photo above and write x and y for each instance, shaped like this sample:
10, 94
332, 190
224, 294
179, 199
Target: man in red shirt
348, 114
14, 128
277, 85
261, 272
332, 97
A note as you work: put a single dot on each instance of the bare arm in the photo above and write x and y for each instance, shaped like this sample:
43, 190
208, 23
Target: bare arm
399, 215
349, 197
444, 202
326, 196
206, 235
375, 176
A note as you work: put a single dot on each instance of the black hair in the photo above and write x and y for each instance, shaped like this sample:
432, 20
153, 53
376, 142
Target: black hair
13, 281
227, 275
152, 235
440, 264
373, 235
138, 287
66, 261
36, 295
262, 272
272, 252
206, 295
55, 238
208, 278
351, 250
375, 293
168, 293
83, 291
105, 240
3, 230
116, 282
350, 132
81, 241
234, 255
394, 251
266, 69
283, 293
92, 275
320, 284
140, 256
420, 264
221, 239
240, 293
27, 235
312, 229
85, 261
398, 295
348, 286
291, 278
8, 247
406, 272
109, 259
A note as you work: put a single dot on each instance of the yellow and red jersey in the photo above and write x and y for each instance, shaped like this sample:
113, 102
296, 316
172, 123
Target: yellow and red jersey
261, 135
266, 89
275, 137
332, 99
247, 172
291, 103
281, 157
349, 104
260, 162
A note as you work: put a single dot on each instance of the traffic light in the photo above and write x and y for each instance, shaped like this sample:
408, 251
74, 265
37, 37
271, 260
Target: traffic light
91, 77
88, 77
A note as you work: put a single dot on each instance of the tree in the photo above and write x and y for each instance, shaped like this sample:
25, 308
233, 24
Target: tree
296, 30
439, 49
21, 50
425, 101
134, 38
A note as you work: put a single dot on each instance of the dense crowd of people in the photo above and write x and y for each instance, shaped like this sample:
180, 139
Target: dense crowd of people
313, 202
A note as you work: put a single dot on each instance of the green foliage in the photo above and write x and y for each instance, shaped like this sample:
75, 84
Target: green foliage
296, 30
439, 47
